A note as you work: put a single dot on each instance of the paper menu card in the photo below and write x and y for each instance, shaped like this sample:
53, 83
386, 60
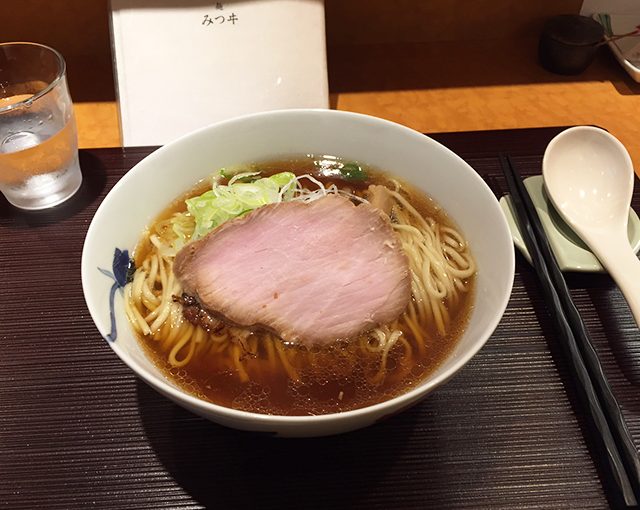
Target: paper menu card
184, 64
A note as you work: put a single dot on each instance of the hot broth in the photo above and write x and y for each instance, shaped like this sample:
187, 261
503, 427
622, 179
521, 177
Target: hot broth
255, 371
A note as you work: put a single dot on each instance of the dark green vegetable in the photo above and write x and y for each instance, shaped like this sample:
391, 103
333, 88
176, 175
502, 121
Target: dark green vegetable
225, 174
353, 172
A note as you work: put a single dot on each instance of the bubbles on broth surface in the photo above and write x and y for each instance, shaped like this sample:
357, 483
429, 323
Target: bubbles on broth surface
328, 380
254, 398
332, 383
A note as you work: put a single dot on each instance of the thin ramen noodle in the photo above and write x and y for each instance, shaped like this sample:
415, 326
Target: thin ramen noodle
254, 370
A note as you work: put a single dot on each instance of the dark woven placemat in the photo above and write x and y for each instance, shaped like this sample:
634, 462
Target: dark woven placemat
78, 430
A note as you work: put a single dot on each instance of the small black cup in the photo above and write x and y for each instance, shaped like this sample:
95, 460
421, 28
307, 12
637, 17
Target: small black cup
568, 43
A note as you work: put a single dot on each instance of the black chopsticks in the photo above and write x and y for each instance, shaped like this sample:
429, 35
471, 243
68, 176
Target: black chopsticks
612, 439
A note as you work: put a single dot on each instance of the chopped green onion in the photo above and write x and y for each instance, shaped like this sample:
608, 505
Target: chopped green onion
353, 172
224, 202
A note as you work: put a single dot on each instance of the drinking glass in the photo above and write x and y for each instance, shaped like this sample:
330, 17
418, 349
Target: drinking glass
38, 139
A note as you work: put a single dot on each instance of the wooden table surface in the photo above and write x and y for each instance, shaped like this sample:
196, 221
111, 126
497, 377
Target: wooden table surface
432, 87
78, 429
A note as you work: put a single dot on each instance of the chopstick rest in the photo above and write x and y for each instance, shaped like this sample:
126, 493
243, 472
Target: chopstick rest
570, 252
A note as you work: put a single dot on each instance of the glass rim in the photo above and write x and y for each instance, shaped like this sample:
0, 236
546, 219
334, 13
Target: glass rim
62, 69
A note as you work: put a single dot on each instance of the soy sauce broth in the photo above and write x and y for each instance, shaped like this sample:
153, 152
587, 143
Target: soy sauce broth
329, 379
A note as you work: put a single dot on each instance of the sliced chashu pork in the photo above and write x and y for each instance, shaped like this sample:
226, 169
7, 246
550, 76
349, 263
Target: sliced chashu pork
311, 272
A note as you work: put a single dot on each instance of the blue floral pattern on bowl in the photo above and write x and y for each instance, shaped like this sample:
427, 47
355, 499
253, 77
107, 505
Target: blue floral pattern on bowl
123, 269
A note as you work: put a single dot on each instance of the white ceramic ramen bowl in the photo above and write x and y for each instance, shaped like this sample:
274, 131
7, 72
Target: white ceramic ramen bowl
149, 187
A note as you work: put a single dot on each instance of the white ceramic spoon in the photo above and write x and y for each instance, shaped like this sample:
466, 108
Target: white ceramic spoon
589, 176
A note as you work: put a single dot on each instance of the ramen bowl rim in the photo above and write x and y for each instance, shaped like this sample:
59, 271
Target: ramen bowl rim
249, 420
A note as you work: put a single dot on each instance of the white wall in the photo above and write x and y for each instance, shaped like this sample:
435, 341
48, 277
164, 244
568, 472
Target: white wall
610, 7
